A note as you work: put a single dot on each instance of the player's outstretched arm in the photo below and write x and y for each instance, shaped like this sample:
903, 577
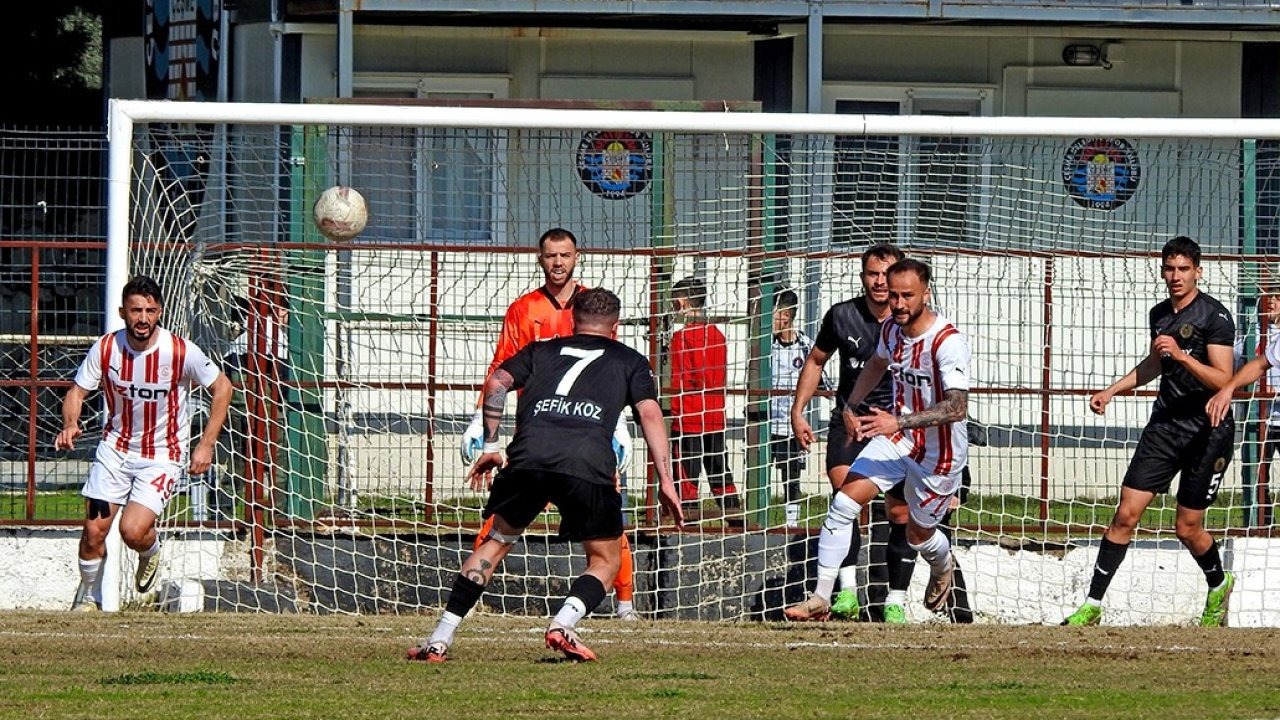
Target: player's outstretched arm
202, 455
806, 386
1220, 403
1141, 374
654, 427
72, 404
496, 387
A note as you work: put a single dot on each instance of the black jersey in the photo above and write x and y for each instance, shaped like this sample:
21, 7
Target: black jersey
1202, 323
574, 388
850, 328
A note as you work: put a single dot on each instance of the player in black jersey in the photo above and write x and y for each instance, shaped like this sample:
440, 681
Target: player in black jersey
574, 389
1191, 352
852, 328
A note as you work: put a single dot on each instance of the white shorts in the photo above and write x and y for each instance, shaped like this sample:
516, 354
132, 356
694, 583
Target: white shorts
928, 496
121, 478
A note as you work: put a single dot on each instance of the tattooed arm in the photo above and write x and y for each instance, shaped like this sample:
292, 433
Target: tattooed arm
495, 392
953, 408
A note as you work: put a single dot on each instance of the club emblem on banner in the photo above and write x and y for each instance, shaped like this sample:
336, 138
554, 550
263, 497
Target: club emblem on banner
1101, 173
615, 165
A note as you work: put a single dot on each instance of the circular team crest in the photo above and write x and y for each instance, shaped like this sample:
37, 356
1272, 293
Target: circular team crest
1101, 173
1186, 331
615, 165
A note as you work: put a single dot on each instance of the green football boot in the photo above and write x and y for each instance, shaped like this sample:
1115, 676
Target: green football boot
895, 615
1088, 614
1215, 605
846, 605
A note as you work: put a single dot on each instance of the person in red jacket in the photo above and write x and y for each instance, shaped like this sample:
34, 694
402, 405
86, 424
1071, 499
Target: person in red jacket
545, 314
699, 369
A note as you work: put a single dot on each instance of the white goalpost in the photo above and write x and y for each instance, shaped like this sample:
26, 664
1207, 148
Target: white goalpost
338, 486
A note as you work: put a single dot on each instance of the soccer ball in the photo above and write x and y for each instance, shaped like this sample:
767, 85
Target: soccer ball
341, 213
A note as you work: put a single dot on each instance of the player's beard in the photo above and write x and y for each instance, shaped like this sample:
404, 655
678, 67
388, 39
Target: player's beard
907, 317
143, 336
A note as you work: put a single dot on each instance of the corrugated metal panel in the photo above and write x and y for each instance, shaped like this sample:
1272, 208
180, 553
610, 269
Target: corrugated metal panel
1161, 12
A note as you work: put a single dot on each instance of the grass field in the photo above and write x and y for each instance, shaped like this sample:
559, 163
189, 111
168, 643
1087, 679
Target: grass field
206, 666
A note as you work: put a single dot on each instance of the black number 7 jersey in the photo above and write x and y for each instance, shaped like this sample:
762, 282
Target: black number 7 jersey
574, 389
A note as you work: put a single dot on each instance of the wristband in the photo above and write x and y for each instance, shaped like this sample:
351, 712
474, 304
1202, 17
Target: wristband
492, 447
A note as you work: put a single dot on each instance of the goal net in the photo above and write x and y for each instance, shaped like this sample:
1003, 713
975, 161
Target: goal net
338, 485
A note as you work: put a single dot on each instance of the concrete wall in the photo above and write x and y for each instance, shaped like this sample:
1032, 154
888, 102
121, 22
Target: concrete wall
710, 577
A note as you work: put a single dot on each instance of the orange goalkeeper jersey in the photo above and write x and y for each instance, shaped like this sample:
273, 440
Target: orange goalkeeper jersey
534, 316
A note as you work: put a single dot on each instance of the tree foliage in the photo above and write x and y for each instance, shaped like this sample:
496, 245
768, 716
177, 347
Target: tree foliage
53, 51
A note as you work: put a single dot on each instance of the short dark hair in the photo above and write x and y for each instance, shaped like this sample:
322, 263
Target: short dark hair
596, 305
921, 269
882, 251
557, 233
693, 289
1184, 246
786, 300
144, 286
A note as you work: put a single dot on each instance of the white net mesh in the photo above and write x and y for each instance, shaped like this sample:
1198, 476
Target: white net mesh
338, 486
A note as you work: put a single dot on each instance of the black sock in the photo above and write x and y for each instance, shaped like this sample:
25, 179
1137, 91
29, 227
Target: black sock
589, 590
899, 558
463, 596
1110, 555
855, 547
1211, 563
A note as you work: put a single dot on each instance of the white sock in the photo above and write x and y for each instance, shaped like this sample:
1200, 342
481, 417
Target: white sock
896, 597
570, 613
837, 531
934, 550
444, 629
826, 582
1093, 602
90, 571
849, 577
155, 548
624, 607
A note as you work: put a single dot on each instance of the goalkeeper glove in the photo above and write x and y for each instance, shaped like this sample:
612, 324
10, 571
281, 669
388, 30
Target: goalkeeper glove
472, 438
622, 442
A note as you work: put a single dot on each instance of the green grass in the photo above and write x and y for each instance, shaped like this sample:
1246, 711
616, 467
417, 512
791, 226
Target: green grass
1019, 514
209, 667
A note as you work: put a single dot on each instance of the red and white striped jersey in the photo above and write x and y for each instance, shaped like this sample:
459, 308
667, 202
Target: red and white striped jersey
147, 392
923, 368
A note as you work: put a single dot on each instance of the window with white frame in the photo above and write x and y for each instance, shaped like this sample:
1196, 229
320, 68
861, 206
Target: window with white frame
430, 185
916, 190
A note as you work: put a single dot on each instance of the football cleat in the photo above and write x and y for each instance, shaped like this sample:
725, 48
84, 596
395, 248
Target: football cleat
895, 614
566, 641
939, 588
846, 605
436, 652
629, 616
148, 569
813, 608
1088, 614
85, 606
1215, 604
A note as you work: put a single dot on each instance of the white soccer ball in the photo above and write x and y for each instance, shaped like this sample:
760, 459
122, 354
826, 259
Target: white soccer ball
341, 213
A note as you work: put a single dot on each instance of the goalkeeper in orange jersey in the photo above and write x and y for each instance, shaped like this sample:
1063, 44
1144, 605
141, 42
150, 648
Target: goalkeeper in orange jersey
545, 314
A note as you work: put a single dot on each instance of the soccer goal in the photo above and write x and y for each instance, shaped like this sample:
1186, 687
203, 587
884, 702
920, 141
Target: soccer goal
339, 488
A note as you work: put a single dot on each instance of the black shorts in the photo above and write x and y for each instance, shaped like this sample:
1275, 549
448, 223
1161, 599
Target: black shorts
1188, 446
840, 450
588, 510
786, 450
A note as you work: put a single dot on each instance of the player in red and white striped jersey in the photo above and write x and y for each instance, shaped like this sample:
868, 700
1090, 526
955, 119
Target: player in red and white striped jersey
923, 442
145, 373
